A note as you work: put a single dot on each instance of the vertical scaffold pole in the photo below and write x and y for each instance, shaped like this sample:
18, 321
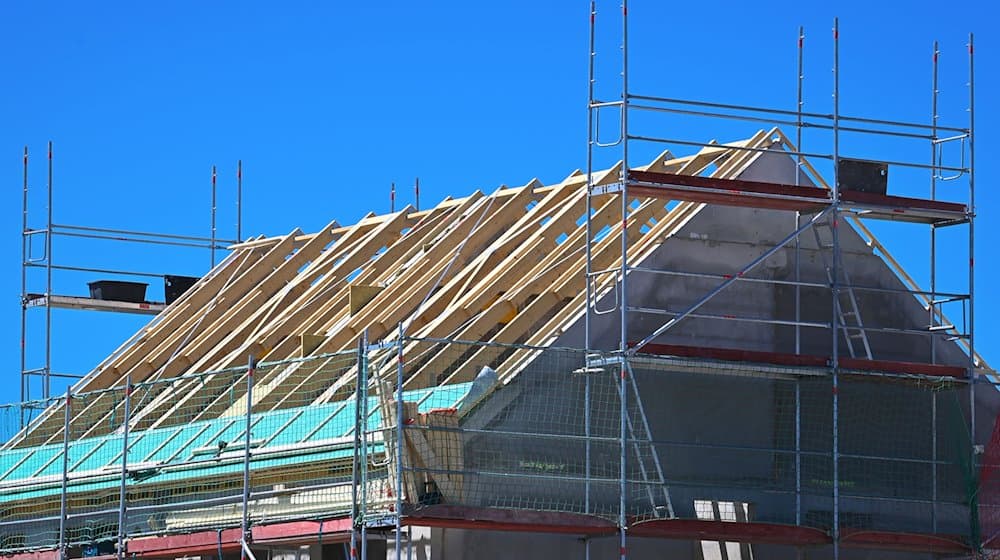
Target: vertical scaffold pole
586, 435
25, 240
239, 200
356, 462
973, 374
934, 172
798, 179
363, 428
123, 488
972, 202
399, 442
933, 272
623, 435
245, 521
798, 289
588, 256
212, 248
63, 502
392, 198
46, 379
623, 343
835, 289
416, 194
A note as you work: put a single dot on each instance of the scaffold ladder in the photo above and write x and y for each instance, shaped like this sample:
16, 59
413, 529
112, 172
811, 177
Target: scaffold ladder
846, 300
667, 506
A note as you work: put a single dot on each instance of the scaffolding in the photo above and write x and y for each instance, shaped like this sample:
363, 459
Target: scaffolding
530, 443
378, 427
852, 198
37, 294
803, 200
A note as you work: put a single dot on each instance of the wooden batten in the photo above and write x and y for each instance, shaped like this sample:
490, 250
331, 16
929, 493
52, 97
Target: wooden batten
308, 343
360, 295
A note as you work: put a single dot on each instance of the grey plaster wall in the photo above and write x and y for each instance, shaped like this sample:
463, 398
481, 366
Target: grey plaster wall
721, 240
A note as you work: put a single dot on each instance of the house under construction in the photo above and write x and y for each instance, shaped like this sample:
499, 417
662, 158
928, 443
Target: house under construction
707, 355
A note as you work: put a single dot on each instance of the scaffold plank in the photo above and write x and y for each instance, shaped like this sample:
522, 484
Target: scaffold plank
174, 546
91, 304
497, 519
803, 360
728, 531
777, 196
912, 542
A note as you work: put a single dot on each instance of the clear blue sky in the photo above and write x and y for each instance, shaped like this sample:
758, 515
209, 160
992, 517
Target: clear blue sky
328, 103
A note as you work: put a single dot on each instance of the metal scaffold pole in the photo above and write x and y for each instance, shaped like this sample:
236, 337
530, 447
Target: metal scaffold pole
973, 374
933, 285
623, 435
123, 483
798, 178
48, 286
363, 428
239, 201
588, 233
245, 536
934, 173
835, 290
212, 248
25, 241
588, 256
798, 288
356, 459
63, 504
587, 451
623, 343
399, 443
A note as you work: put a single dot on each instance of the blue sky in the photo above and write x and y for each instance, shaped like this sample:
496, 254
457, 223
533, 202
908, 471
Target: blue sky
328, 103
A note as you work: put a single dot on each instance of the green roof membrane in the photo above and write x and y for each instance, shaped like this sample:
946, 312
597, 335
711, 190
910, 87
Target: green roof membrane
177, 445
